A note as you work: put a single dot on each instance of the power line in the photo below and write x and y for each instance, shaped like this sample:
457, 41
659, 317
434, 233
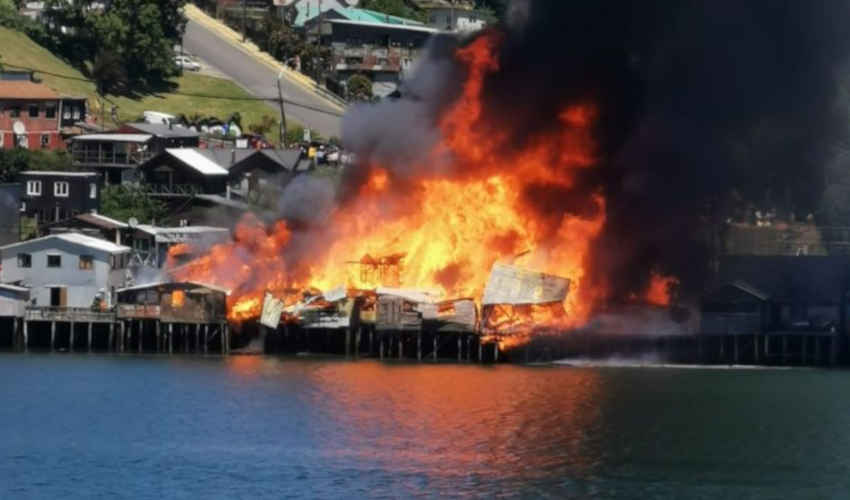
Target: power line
191, 94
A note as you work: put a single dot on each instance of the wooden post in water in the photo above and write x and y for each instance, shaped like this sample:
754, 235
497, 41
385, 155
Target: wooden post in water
357, 341
16, 342
139, 333
495, 352
756, 348
371, 345
348, 342
381, 346
419, 345
71, 338
833, 349
158, 336
803, 353
89, 336
52, 336
206, 335
197, 345
468, 350
480, 351
785, 348
436, 346
459, 349
766, 348
111, 341
818, 340
735, 354
26, 336
401, 346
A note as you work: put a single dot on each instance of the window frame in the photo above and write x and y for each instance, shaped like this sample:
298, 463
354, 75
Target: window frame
15, 111
24, 260
31, 108
34, 187
58, 262
50, 111
58, 192
86, 262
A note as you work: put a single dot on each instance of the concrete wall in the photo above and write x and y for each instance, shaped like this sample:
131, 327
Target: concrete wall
82, 285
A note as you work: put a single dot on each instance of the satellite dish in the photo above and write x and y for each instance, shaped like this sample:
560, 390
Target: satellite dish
19, 128
133, 222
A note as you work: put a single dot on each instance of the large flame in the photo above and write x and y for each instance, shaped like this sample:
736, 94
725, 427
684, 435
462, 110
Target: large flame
441, 230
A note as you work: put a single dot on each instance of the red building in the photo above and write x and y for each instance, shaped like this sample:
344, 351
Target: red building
29, 116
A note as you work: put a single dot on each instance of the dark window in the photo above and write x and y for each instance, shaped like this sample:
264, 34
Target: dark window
86, 262
50, 112
45, 140
33, 111
54, 261
15, 111
24, 260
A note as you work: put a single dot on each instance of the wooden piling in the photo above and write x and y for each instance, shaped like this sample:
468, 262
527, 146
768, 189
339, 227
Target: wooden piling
803, 354
111, 341
833, 349
71, 338
419, 345
205, 329
468, 350
89, 336
495, 352
381, 346
818, 340
756, 348
158, 334
785, 348
480, 351
26, 336
139, 335
459, 349
401, 347
371, 345
52, 336
436, 347
357, 341
16, 342
735, 348
348, 342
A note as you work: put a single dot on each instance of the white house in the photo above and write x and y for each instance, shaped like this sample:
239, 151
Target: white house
65, 270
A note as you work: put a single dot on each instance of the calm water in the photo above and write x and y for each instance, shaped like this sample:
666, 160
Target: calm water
251, 427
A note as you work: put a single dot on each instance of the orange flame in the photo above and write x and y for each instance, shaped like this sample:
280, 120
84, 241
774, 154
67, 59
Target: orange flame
660, 289
447, 228
178, 298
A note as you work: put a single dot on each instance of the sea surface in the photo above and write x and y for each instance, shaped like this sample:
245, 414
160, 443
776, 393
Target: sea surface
89, 426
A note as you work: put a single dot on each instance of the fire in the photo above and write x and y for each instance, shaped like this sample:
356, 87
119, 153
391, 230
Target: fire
178, 298
443, 230
660, 289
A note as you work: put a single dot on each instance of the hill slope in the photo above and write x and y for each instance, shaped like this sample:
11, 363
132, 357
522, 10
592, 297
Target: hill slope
20, 51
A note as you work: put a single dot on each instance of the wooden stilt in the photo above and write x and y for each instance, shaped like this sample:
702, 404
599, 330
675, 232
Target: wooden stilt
16, 342
803, 354
89, 336
459, 349
111, 340
226, 329
184, 329
400, 346
766, 348
171, 338
381, 346
468, 350
436, 346
735, 347
26, 336
348, 342
205, 330
480, 351
52, 336
197, 346
817, 349
371, 339
756, 349
357, 342
158, 327
723, 349
495, 352
785, 348
419, 345
833, 349
71, 338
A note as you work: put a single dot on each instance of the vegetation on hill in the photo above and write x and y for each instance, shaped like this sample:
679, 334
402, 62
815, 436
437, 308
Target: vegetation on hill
124, 202
190, 92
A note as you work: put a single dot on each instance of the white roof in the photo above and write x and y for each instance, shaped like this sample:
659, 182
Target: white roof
410, 27
113, 137
77, 239
197, 161
107, 219
14, 288
54, 172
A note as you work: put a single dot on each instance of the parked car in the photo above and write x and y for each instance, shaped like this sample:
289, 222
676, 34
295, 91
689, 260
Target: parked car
186, 63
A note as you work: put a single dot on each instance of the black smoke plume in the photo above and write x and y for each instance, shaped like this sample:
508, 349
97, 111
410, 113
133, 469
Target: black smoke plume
698, 100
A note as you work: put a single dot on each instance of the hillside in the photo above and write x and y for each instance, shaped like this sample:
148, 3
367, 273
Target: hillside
20, 51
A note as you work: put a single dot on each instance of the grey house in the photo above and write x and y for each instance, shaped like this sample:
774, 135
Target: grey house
65, 270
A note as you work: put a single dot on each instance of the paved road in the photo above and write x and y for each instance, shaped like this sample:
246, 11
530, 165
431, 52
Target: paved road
260, 80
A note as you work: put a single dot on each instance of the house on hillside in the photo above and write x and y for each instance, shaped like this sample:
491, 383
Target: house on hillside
164, 135
114, 156
56, 196
183, 172
452, 15
65, 270
264, 171
96, 225
10, 212
29, 116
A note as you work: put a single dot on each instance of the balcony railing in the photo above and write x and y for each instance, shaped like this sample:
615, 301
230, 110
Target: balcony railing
172, 189
82, 314
110, 158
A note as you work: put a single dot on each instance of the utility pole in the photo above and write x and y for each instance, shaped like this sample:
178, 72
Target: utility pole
282, 112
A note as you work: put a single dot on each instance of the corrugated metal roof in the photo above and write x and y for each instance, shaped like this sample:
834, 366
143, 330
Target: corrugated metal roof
192, 158
102, 221
16, 89
77, 239
64, 174
114, 137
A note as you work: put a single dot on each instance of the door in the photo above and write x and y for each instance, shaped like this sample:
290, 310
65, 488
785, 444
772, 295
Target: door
58, 296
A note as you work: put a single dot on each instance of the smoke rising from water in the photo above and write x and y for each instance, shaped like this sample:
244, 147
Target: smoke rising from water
696, 100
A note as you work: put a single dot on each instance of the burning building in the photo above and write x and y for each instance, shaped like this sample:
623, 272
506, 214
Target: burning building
587, 143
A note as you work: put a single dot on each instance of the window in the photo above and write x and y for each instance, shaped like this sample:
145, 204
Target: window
93, 190
15, 111
60, 188
86, 262
34, 188
50, 112
23, 206
76, 113
33, 111
24, 260
45, 140
54, 261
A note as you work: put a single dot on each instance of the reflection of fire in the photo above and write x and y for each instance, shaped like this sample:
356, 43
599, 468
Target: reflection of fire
660, 289
450, 226
178, 298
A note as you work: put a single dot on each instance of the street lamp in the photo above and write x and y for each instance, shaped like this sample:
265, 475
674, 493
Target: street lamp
282, 130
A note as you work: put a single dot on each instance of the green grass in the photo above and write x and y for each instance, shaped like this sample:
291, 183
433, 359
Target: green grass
20, 50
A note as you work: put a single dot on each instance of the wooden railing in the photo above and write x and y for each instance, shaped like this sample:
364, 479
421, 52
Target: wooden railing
53, 313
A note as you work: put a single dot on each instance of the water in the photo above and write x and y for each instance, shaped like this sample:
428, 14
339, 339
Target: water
76, 426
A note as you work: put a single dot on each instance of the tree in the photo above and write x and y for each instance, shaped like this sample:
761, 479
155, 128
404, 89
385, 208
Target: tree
359, 88
266, 125
16, 160
108, 73
395, 8
124, 202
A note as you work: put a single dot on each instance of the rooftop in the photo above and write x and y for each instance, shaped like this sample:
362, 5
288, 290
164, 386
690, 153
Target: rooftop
103, 221
162, 130
15, 89
63, 174
176, 283
310, 9
114, 137
77, 239
400, 26
197, 161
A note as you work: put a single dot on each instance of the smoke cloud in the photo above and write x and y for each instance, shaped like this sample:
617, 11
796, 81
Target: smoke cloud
696, 100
